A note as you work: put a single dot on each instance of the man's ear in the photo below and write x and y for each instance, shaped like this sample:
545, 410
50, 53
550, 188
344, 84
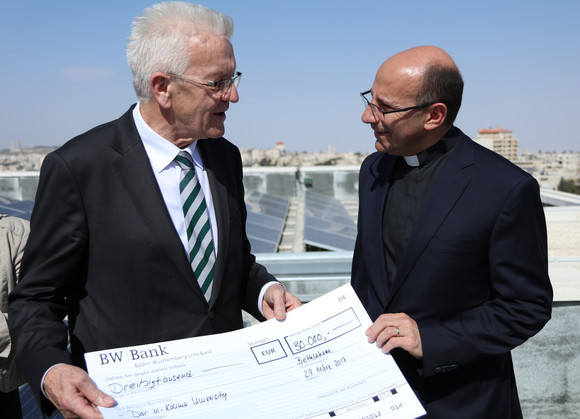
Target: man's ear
435, 116
160, 88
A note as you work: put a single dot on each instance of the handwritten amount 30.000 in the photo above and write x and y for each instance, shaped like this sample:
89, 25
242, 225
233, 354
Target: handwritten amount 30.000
332, 328
310, 341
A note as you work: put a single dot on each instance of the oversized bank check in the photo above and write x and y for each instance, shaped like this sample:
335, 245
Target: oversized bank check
315, 364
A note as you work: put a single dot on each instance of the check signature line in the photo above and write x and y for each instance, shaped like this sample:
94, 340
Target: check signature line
222, 367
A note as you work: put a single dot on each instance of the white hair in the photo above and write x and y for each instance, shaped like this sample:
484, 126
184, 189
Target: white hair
160, 39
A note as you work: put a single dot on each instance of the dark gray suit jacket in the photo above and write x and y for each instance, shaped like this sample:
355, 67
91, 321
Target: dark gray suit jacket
474, 277
104, 252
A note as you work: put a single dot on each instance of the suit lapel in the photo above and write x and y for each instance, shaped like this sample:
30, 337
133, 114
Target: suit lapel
446, 191
380, 171
136, 175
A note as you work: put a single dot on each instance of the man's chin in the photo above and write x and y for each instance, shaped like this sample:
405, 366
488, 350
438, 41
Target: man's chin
381, 147
216, 133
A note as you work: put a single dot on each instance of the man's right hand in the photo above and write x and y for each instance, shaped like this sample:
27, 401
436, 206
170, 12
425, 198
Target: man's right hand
71, 390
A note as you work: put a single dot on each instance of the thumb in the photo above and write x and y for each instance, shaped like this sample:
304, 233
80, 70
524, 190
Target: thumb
280, 303
97, 397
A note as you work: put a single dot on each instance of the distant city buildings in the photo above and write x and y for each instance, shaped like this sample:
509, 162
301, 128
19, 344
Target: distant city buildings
550, 168
18, 159
279, 157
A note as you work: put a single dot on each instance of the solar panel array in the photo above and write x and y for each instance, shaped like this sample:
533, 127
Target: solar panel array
21, 209
265, 222
327, 224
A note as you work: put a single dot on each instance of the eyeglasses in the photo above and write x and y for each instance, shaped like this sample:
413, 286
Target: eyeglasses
376, 109
219, 87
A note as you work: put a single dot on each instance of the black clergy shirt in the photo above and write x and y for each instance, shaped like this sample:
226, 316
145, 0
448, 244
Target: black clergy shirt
410, 186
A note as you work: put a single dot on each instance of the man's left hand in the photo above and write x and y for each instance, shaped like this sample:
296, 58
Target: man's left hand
277, 301
396, 330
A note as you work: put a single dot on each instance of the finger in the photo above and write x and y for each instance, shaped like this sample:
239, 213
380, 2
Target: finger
79, 407
381, 326
386, 335
95, 396
292, 302
75, 405
371, 335
387, 320
273, 299
411, 344
279, 300
389, 346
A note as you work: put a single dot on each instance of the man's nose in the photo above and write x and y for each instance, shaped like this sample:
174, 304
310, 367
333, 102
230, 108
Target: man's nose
368, 116
232, 94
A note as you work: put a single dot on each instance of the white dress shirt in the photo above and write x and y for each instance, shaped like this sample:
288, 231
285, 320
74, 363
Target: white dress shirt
167, 171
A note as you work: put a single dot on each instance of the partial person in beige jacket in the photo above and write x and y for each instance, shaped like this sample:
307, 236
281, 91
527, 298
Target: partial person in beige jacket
13, 236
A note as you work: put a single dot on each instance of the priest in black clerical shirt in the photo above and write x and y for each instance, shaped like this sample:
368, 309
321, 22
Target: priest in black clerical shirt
451, 255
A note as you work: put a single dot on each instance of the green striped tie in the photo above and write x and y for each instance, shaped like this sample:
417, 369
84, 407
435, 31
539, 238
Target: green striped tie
201, 250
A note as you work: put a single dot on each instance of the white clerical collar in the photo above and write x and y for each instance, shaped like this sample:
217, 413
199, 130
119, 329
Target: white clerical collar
412, 161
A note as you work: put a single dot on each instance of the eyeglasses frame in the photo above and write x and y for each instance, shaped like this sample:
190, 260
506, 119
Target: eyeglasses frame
227, 83
368, 103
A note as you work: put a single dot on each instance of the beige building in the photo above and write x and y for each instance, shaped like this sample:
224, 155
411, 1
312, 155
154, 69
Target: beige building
499, 140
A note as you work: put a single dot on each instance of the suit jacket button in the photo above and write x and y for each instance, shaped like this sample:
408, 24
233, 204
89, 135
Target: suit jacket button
210, 315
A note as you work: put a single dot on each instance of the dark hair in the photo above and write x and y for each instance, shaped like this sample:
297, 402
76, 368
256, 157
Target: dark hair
442, 84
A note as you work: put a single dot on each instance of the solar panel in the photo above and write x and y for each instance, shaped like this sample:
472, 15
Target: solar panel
327, 224
21, 209
265, 222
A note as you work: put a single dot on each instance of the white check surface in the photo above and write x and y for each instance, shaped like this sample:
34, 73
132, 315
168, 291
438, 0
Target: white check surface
315, 364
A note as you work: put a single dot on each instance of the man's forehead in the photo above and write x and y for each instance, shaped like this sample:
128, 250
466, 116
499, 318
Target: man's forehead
400, 81
213, 52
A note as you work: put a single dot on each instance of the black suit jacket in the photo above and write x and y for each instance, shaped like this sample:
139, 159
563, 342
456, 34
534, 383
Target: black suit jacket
474, 277
103, 250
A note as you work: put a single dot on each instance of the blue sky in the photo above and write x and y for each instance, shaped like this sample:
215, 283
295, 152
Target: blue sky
304, 63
